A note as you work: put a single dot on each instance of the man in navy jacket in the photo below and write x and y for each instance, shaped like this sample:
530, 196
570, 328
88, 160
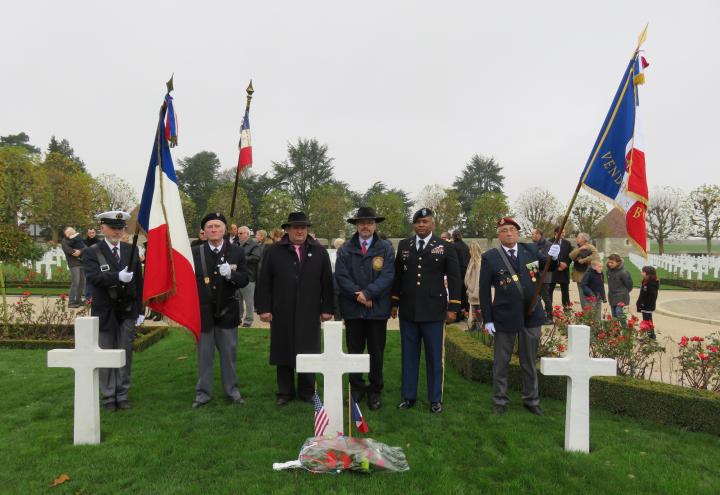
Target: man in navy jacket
364, 274
513, 270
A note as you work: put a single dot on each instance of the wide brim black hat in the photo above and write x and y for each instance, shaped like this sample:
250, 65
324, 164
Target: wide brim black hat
365, 213
297, 219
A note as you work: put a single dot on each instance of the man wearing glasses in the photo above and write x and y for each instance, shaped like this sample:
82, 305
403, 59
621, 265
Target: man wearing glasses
513, 270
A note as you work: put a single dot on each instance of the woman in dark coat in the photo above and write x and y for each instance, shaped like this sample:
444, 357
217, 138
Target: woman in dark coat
294, 292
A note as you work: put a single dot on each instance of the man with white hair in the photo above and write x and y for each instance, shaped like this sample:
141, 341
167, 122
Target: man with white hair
73, 246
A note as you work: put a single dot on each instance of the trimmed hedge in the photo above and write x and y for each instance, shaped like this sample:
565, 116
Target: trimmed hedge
142, 342
692, 409
709, 285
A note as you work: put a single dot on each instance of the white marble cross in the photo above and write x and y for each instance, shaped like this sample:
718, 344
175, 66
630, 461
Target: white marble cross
578, 366
332, 364
86, 358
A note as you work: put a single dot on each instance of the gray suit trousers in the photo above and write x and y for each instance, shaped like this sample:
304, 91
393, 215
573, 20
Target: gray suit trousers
115, 382
225, 340
246, 296
503, 347
77, 284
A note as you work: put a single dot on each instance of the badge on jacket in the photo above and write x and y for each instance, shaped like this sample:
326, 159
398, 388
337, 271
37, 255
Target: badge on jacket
438, 250
207, 280
377, 263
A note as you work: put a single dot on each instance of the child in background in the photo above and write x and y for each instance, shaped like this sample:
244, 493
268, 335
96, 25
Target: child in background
619, 286
648, 296
593, 286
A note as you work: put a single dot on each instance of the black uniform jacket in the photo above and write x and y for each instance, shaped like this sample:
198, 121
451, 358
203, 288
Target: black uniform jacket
419, 284
219, 306
508, 310
296, 293
113, 301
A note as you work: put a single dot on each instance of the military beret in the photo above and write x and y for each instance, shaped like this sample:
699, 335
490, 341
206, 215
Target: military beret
508, 221
421, 213
212, 216
116, 219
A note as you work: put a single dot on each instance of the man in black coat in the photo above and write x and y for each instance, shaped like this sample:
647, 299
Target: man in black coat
422, 265
513, 270
117, 301
219, 271
73, 247
561, 275
364, 275
294, 293
253, 254
463, 255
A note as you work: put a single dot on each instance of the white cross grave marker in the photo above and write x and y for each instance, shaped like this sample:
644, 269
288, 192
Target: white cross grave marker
86, 358
332, 363
578, 366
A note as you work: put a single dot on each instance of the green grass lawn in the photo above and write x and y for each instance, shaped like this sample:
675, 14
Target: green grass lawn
685, 246
637, 279
163, 445
37, 291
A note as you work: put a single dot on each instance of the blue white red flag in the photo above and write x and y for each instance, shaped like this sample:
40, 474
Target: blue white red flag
321, 417
615, 170
357, 416
170, 287
245, 145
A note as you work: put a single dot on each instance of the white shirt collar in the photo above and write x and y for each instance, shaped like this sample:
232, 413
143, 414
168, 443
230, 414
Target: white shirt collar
111, 246
424, 239
368, 241
507, 249
218, 248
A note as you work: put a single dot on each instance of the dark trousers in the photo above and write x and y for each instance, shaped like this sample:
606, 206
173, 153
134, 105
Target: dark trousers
358, 334
411, 335
564, 290
115, 382
546, 297
286, 383
503, 346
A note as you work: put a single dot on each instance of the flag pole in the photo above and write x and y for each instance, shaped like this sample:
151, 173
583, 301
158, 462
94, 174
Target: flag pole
586, 171
249, 90
349, 434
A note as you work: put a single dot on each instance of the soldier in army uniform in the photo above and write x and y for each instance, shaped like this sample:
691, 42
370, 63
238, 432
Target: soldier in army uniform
422, 265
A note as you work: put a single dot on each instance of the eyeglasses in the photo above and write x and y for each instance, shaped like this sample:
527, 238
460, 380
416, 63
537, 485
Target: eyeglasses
506, 230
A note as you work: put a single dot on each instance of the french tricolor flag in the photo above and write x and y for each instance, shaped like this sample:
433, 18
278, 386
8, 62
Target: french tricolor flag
245, 144
170, 286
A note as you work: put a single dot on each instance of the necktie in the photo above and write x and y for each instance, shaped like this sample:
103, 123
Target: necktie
513, 258
116, 254
298, 251
216, 250
421, 245
364, 248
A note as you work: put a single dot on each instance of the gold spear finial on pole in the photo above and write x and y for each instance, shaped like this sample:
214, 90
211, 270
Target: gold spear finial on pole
169, 84
249, 92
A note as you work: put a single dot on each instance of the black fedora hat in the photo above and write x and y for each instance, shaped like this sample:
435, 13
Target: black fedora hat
365, 213
297, 219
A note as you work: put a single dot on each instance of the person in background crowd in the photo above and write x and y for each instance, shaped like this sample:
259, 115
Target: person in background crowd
445, 236
648, 297
253, 254
593, 286
619, 286
294, 294
364, 274
472, 285
90, 240
582, 256
276, 234
233, 234
73, 247
261, 236
201, 239
220, 270
463, 255
116, 301
543, 245
561, 275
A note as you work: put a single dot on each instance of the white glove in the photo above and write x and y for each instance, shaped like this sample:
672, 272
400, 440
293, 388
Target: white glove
554, 251
125, 276
225, 270
140, 320
490, 328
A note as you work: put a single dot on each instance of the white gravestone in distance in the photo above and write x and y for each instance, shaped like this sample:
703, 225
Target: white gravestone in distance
332, 363
85, 359
578, 366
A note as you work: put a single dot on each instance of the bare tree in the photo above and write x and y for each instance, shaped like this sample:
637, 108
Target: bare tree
587, 213
667, 215
444, 202
536, 208
705, 216
120, 194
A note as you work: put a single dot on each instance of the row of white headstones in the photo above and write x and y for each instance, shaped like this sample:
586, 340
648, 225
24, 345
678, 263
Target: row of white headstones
691, 267
87, 357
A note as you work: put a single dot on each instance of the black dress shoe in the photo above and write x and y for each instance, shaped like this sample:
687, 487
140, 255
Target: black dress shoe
436, 408
123, 404
498, 409
110, 406
282, 401
534, 409
374, 402
406, 404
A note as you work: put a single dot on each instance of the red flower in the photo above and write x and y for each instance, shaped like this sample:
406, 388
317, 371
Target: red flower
591, 298
697, 339
63, 296
26, 293
557, 307
621, 304
602, 335
561, 348
712, 348
646, 326
684, 341
587, 308
579, 314
703, 356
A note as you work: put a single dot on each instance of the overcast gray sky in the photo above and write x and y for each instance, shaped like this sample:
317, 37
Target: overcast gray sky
401, 91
